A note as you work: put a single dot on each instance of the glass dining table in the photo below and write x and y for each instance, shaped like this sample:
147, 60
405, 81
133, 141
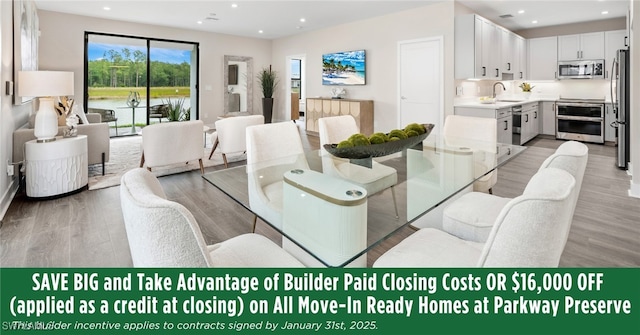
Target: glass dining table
326, 220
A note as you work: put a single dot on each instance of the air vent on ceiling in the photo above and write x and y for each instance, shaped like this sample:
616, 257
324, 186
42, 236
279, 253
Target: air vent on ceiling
506, 16
212, 17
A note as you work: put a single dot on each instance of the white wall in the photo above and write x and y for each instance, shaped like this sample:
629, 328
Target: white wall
12, 116
379, 37
634, 189
62, 48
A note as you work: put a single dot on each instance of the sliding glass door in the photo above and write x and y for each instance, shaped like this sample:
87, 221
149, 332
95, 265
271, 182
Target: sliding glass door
134, 81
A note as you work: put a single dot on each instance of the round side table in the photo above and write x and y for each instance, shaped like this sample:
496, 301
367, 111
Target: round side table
56, 168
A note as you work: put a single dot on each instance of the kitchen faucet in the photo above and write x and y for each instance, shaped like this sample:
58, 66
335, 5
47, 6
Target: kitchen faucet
494, 88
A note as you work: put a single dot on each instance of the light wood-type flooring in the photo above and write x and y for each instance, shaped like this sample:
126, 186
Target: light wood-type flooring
86, 229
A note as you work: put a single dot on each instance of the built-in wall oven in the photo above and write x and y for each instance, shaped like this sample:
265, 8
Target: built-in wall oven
580, 120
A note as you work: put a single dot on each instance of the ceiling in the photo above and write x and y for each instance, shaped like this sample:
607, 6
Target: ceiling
283, 18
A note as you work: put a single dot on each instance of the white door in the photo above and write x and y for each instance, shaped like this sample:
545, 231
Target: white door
420, 82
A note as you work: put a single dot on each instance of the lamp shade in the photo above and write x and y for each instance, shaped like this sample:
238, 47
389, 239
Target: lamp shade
45, 83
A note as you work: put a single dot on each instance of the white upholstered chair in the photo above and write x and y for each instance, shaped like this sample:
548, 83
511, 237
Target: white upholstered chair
471, 216
529, 231
172, 142
480, 134
163, 233
376, 179
230, 135
272, 150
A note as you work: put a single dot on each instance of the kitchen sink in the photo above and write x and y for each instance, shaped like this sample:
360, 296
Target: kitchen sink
510, 100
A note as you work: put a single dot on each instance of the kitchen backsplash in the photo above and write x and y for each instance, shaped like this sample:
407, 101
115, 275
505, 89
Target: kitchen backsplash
570, 88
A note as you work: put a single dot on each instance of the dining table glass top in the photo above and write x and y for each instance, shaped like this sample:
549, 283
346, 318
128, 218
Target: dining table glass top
309, 197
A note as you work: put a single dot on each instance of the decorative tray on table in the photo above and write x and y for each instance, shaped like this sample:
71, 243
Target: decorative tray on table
377, 150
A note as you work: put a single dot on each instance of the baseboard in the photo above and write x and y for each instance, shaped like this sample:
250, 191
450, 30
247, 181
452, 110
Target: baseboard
8, 196
634, 190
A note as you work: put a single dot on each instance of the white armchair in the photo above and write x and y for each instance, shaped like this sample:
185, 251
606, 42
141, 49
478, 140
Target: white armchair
272, 150
471, 217
480, 134
529, 232
163, 233
172, 142
375, 179
231, 135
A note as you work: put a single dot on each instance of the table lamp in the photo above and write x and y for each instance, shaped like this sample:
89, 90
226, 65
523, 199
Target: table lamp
46, 85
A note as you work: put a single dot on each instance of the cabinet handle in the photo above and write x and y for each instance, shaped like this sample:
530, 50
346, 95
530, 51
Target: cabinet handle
527, 119
484, 71
578, 54
509, 66
520, 75
497, 72
625, 41
506, 124
536, 115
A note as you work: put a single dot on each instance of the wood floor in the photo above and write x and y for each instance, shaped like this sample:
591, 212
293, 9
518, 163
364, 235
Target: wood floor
87, 230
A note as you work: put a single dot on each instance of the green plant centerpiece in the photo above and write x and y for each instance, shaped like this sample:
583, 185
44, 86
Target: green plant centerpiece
360, 148
268, 80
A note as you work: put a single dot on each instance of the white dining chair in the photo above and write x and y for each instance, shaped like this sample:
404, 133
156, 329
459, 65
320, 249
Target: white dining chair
376, 179
171, 143
471, 217
230, 135
163, 233
479, 134
272, 150
529, 231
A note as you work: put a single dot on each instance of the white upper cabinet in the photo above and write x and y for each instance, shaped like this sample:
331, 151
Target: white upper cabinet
581, 46
613, 41
477, 48
521, 61
509, 51
543, 58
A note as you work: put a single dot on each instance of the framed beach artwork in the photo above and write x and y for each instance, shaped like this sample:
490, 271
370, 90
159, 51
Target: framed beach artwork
344, 68
25, 42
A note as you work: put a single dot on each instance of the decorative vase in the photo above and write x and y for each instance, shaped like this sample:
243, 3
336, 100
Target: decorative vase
133, 100
267, 109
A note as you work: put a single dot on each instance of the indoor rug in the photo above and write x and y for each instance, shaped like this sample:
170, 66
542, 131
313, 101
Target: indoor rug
125, 155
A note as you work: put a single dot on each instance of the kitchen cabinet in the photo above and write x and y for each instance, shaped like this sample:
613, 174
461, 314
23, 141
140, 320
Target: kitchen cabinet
317, 108
509, 51
521, 59
543, 58
548, 117
610, 133
503, 118
614, 40
581, 46
477, 40
529, 126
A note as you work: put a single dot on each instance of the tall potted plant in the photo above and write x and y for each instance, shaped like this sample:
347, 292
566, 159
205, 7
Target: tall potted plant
268, 81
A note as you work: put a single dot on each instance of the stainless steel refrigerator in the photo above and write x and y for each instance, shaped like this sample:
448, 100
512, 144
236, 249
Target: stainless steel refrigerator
620, 98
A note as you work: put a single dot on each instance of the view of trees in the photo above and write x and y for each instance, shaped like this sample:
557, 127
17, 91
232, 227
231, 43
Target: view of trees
128, 69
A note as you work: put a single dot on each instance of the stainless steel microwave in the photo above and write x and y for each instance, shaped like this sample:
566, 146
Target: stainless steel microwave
581, 69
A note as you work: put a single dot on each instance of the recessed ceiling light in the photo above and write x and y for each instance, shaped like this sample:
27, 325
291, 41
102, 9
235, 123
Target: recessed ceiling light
521, 11
234, 5
605, 12
199, 22
534, 21
106, 8
303, 19
260, 31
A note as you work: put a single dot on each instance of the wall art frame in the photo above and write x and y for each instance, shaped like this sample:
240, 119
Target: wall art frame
26, 33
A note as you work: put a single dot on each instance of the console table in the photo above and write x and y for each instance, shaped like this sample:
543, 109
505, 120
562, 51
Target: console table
56, 168
317, 108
